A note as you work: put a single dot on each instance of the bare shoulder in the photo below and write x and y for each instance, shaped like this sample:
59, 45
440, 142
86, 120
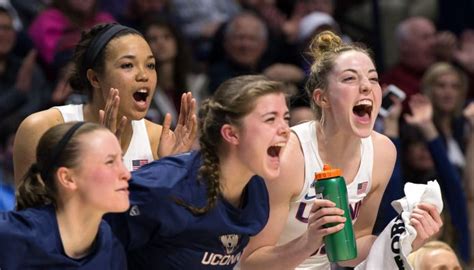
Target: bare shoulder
385, 155
154, 134
40, 121
28, 135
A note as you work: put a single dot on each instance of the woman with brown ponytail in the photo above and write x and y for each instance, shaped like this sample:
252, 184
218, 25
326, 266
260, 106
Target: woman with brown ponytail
78, 176
197, 210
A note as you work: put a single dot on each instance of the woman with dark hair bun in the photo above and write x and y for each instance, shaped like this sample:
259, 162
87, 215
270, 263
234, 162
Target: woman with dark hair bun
115, 68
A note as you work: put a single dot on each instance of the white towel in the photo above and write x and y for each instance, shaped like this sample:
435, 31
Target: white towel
392, 246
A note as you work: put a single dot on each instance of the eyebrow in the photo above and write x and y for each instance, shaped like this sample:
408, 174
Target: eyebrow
274, 113
354, 71
129, 56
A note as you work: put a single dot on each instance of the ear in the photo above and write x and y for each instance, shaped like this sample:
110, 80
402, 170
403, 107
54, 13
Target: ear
66, 178
230, 135
93, 78
320, 98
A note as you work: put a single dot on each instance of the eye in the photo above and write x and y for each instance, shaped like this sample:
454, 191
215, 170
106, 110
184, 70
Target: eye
346, 79
375, 79
109, 162
270, 120
151, 66
126, 65
287, 119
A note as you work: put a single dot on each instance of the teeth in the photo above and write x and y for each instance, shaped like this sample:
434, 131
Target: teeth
279, 144
364, 102
142, 91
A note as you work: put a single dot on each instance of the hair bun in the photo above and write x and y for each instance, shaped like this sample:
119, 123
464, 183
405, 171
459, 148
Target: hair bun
325, 41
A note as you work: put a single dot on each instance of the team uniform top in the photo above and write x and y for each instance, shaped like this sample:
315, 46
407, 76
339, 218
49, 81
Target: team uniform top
30, 239
138, 152
357, 190
160, 234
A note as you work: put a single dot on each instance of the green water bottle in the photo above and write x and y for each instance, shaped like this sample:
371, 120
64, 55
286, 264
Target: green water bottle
330, 185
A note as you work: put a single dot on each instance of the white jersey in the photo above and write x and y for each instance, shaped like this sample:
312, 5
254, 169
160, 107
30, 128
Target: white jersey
297, 222
139, 150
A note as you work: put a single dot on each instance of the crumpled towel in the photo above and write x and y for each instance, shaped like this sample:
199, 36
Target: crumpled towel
392, 246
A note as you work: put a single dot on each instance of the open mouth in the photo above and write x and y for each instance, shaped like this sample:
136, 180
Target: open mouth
274, 150
363, 108
141, 95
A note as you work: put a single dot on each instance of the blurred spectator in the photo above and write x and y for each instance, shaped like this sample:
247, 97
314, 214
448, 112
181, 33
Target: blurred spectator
245, 42
58, 28
174, 69
434, 255
23, 88
419, 46
446, 87
138, 12
415, 38
469, 174
200, 19
423, 157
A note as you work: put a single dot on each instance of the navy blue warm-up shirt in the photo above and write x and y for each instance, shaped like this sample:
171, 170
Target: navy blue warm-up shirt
161, 234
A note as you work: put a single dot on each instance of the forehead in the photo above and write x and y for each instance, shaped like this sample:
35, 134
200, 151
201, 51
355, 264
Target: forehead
269, 102
130, 44
99, 143
353, 60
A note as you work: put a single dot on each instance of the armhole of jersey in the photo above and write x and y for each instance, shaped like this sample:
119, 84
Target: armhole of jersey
305, 183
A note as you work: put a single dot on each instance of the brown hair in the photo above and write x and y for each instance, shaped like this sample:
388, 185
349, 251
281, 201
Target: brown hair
38, 186
324, 49
234, 99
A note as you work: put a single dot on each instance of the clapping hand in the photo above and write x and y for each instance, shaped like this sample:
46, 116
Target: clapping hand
108, 116
182, 139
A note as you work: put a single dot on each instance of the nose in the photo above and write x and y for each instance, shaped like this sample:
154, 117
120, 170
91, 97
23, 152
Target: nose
142, 75
365, 86
125, 174
284, 130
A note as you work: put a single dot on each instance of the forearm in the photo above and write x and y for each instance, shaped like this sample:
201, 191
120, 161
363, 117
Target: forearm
287, 256
364, 244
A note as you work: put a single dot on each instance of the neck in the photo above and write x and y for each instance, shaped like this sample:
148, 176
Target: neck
78, 228
336, 148
166, 75
445, 125
234, 176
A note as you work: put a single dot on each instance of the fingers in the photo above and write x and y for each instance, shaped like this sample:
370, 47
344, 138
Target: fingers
121, 127
166, 125
183, 109
111, 109
325, 217
426, 220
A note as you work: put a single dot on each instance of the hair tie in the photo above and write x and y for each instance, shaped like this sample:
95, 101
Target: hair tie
34, 169
57, 150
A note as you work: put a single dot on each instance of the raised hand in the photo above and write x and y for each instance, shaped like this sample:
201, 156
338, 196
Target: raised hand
322, 213
184, 135
108, 116
422, 115
427, 222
